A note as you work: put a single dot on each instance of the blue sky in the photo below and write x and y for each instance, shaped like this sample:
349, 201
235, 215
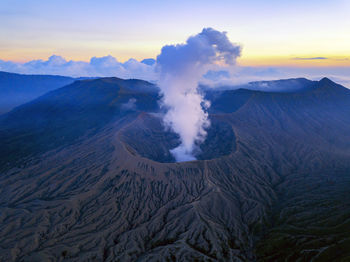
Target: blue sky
271, 32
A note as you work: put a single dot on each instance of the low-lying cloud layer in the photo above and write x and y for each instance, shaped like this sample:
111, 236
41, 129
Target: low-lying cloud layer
109, 66
242, 75
96, 67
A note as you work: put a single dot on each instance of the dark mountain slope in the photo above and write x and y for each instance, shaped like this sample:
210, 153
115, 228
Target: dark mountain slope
278, 193
64, 115
291, 85
17, 89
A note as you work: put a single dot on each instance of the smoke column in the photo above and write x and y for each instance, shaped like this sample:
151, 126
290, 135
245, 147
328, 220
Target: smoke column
180, 68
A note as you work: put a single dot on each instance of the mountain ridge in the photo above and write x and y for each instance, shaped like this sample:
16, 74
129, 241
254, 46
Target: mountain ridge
16, 89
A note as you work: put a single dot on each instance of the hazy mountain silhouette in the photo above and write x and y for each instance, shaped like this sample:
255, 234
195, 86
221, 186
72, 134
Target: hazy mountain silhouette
86, 175
17, 89
284, 85
275, 86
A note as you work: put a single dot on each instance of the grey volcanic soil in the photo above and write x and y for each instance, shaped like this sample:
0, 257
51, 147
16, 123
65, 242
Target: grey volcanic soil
277, 190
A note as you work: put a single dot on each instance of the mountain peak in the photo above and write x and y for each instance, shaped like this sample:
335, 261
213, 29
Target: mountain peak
326, 80
328, 83
327, 86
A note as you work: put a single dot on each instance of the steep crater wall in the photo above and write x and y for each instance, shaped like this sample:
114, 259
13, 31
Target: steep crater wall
148, 138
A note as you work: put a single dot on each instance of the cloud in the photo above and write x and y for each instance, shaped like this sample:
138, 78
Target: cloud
96, 67
180, 69
242, 75
130, 105
310, 58
216, 75
149, 61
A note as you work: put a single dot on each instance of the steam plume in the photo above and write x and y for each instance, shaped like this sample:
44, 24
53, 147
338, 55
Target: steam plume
180, 67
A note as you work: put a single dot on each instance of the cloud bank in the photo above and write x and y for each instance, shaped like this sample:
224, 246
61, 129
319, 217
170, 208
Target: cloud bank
108, 66
242, 75
180, 69
97, 67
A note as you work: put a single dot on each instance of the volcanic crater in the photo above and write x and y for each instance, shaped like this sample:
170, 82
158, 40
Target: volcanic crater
147, 137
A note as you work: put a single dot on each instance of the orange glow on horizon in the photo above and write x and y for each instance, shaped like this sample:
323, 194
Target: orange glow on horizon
24, 55
297, 61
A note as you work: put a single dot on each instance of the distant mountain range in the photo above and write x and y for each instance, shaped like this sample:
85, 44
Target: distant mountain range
282, 86
17, 89
86, 175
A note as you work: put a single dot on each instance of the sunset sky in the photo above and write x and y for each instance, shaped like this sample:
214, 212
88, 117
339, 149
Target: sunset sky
272, 32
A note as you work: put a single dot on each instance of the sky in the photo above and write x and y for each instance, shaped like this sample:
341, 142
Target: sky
272, 33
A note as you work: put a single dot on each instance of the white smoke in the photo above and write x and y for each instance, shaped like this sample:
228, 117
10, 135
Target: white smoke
180, 68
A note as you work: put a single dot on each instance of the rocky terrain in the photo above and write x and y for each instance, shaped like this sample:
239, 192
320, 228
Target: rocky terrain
86, 175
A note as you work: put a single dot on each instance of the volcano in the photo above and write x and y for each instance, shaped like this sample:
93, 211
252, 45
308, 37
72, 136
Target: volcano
86, 174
